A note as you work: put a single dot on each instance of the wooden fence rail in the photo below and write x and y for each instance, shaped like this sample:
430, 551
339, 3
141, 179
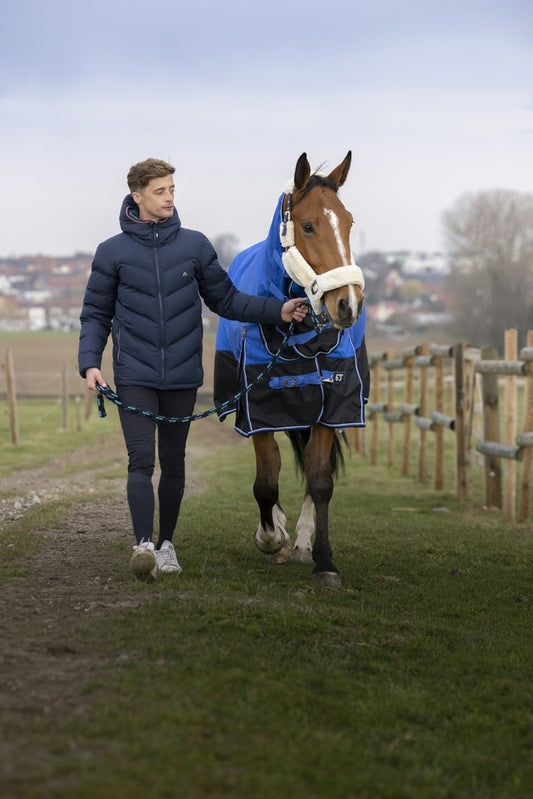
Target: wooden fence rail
428, 392
440, 385
59, 379
414, 365
517, 446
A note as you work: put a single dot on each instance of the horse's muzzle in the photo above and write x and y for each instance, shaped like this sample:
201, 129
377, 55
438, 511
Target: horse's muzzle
344, 306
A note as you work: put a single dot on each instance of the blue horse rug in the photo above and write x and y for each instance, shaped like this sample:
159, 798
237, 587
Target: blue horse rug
319, 377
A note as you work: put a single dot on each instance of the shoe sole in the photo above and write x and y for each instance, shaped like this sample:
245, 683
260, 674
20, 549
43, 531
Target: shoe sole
170, 569
144, 566
167, 562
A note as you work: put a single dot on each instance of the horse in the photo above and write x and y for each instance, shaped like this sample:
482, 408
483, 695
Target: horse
318, 378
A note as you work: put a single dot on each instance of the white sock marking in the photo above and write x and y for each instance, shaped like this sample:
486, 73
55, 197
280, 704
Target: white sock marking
305, 526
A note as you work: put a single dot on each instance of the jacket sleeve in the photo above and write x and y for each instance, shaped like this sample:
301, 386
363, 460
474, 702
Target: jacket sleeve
97, 311
222, 297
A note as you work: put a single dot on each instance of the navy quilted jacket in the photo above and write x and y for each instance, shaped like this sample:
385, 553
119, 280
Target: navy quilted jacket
145, 288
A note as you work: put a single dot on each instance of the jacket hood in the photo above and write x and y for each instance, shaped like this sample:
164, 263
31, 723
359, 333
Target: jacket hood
141, 230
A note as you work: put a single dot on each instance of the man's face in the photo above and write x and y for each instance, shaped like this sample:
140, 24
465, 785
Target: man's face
156, 201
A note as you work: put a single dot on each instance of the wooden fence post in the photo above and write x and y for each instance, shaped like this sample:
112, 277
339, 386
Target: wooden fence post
514, 446
439, 430
441, 420
423, 405
461, 412
390, 409
356, 438
408, 399
524, 499
77, 401
491, 431
375, 377
509, 466
89, 404
64, 394
12, 398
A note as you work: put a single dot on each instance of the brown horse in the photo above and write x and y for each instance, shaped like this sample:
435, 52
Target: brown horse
316, 255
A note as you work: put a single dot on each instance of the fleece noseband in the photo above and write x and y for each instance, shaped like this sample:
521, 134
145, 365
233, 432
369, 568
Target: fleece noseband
303, 274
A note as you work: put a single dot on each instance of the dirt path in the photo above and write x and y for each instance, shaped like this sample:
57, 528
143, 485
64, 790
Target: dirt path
80, 571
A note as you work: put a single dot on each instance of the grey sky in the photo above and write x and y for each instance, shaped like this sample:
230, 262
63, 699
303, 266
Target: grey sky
433, 99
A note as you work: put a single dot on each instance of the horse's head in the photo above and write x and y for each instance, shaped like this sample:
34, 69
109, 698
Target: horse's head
315, 233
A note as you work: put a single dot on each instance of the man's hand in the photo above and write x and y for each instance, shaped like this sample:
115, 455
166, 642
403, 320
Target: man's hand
293, 310
94, 377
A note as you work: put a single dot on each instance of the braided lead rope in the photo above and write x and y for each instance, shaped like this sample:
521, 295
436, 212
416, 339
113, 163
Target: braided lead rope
113, 397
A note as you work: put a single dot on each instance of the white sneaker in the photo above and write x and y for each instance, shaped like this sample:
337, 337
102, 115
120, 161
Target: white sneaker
143, 562
166, 558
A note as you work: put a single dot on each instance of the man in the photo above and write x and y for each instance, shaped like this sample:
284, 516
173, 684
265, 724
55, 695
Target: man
145, 288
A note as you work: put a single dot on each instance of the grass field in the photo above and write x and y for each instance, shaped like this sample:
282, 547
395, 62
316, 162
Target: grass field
242, 679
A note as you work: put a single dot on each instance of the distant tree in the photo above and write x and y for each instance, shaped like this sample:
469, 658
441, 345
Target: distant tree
489, 239
227, 247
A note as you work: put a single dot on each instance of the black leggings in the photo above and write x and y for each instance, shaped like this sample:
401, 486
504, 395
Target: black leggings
140, 437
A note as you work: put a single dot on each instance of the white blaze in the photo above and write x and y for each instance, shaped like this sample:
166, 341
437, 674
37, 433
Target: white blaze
353, 300
334, 222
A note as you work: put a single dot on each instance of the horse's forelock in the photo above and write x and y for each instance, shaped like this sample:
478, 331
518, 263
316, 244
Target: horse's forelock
316, 179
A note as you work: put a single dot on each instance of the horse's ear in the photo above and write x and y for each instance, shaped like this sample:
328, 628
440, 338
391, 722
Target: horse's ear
302, 172
340, 173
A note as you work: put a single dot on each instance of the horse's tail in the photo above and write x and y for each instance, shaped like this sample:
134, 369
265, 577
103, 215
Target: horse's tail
299, 439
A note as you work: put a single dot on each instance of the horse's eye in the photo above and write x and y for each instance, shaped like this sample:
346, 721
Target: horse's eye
308, 227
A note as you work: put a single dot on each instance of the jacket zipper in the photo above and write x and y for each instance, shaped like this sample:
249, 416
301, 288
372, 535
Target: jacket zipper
160, 298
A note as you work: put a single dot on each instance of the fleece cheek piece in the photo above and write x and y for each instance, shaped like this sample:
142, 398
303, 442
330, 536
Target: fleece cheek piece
286, 234
315, 286
303, 274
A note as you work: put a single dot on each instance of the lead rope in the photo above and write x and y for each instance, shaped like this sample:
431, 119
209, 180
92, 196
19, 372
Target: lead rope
113, 397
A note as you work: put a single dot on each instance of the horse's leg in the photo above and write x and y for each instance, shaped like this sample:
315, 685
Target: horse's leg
271, 536
320, 488
305, 527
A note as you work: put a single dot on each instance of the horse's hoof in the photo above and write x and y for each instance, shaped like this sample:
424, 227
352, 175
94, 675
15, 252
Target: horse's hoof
328, 579
302, 555
283, 556
269, 543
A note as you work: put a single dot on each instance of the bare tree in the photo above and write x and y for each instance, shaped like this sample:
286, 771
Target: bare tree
227, 247
489, 238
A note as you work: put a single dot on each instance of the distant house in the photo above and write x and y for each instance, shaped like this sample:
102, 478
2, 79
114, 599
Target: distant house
42, 292
16, 316
421, 264
37, 317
